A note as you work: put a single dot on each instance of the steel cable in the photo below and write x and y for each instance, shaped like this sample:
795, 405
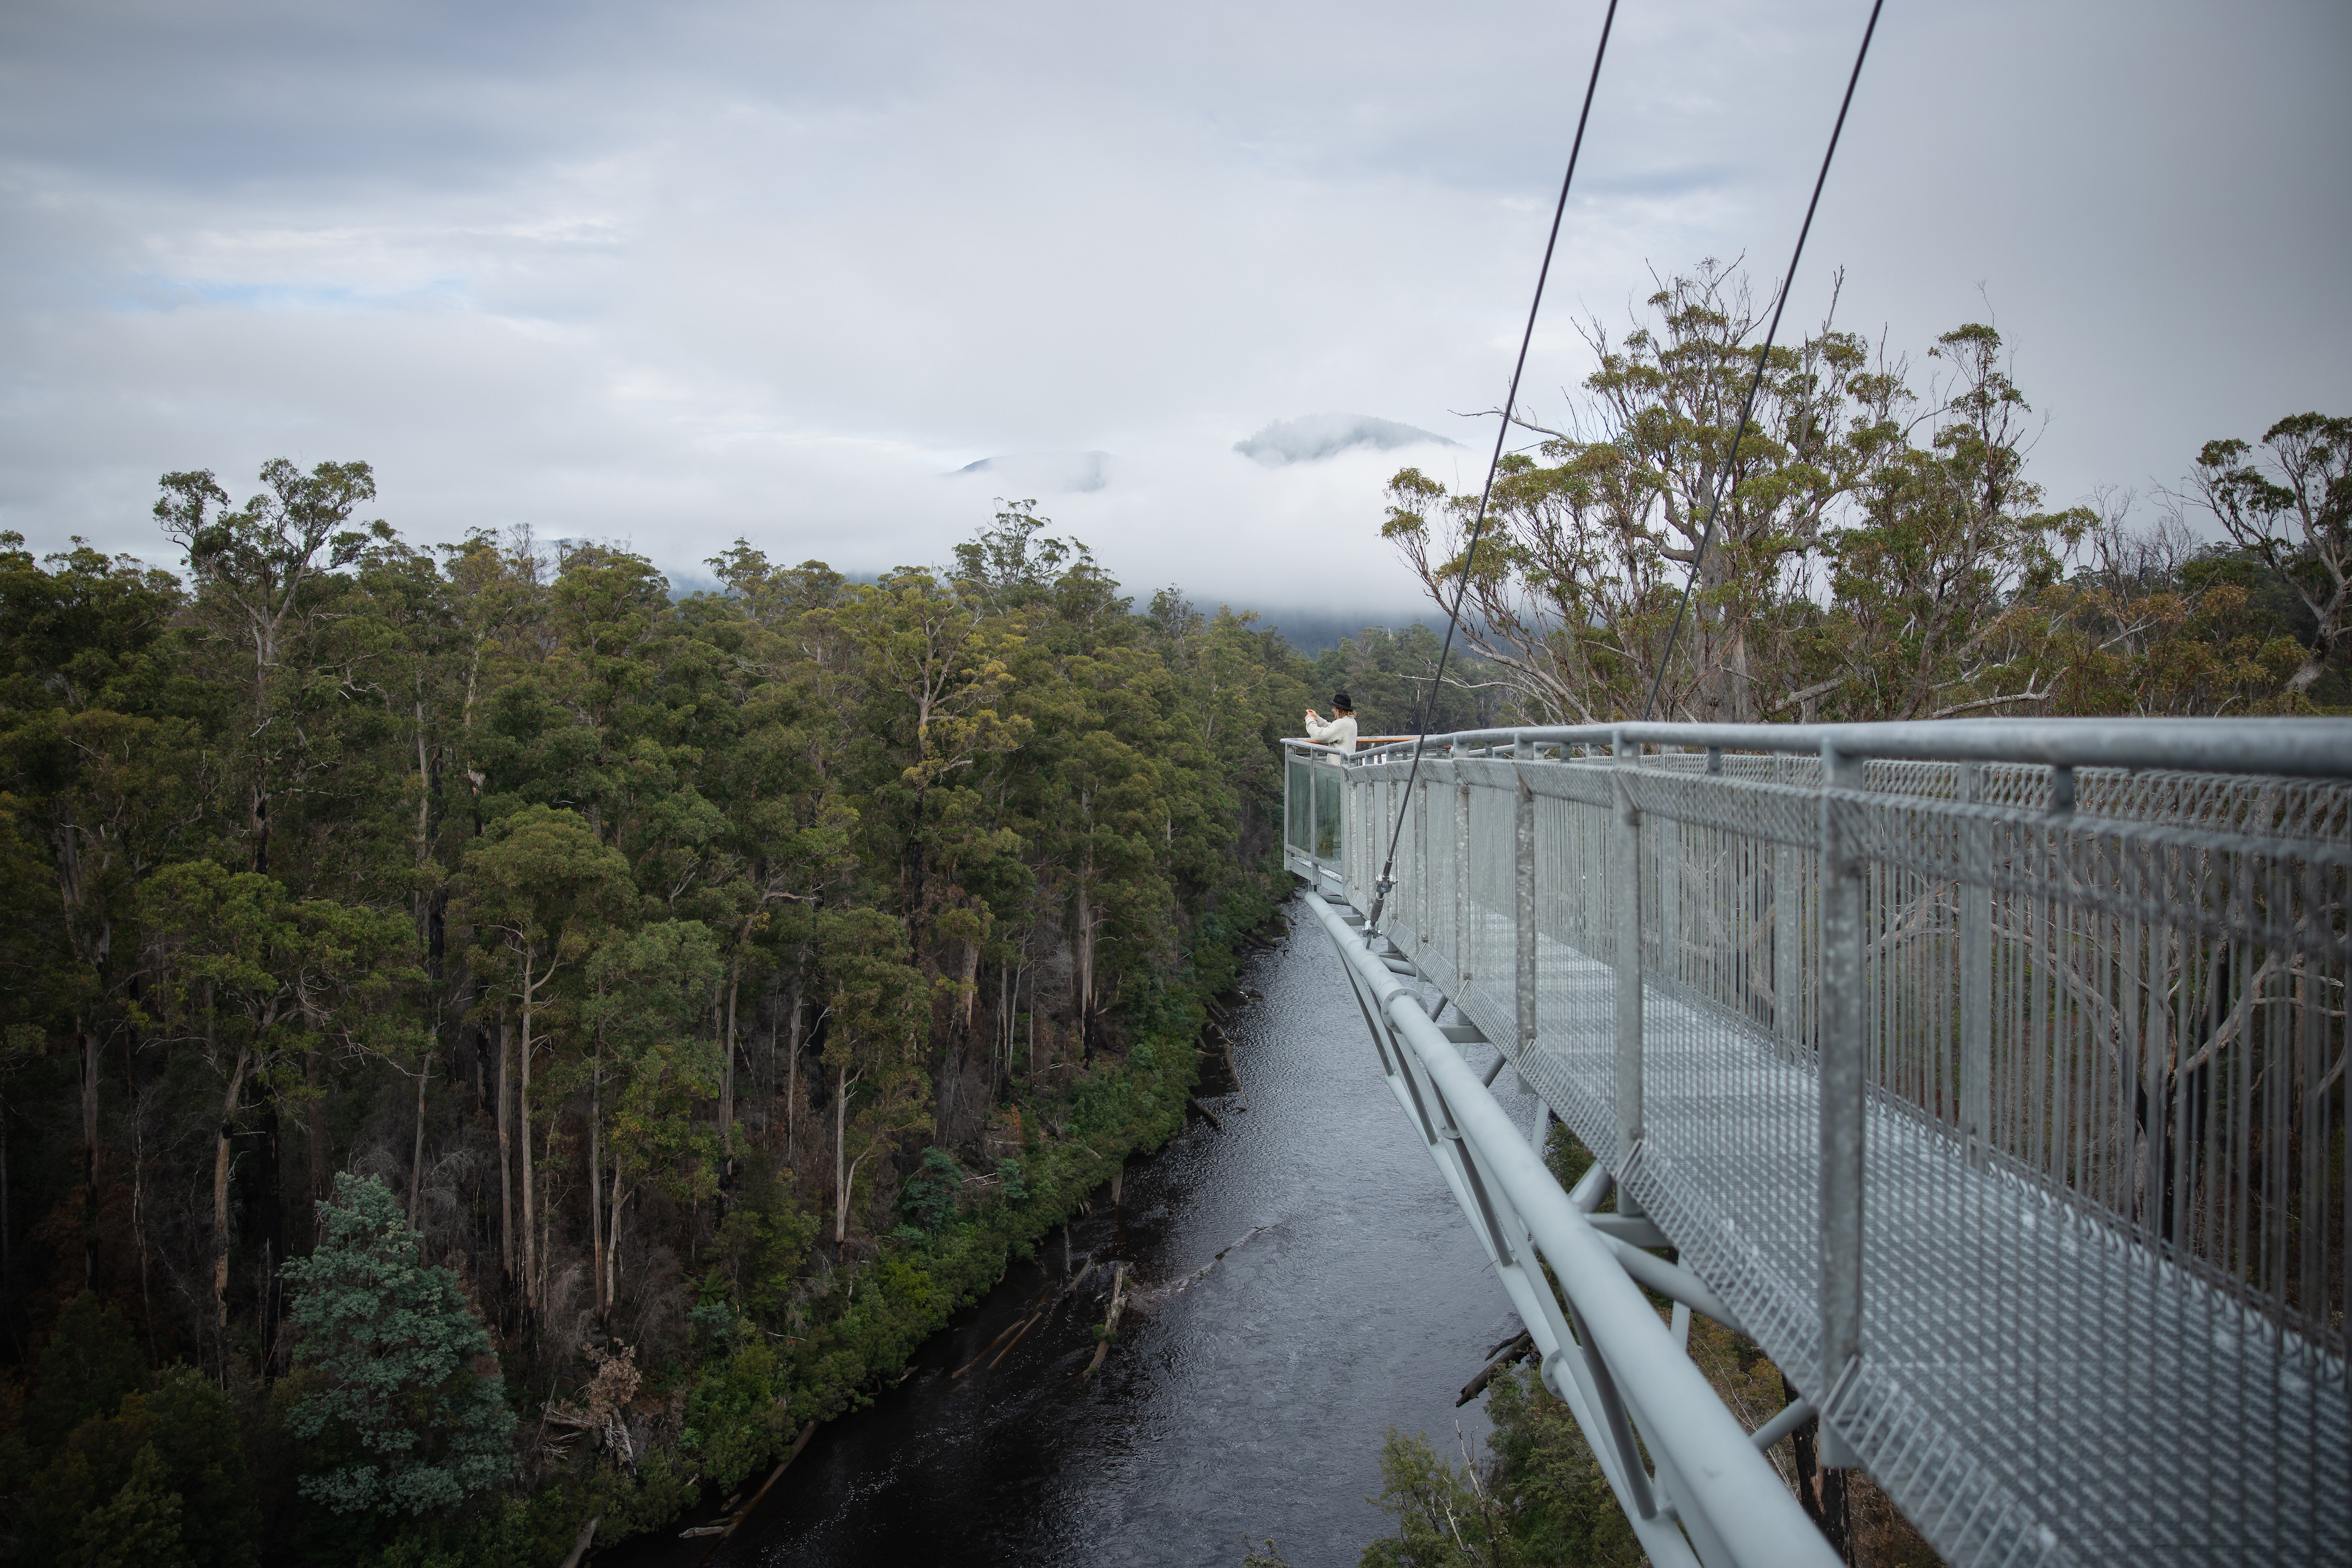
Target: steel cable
1486, 495
1763, 357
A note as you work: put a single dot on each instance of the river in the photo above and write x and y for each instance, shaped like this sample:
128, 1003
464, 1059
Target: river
1251, 1403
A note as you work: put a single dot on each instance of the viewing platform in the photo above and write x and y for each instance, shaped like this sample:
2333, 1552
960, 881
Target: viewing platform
1989, 1075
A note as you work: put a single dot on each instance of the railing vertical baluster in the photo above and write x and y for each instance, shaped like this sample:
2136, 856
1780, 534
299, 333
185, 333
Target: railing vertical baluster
1668, 836
1420, 878
1463, 952
1788, 942
1976, 974
1525, 926
1841, 1099
1625, 904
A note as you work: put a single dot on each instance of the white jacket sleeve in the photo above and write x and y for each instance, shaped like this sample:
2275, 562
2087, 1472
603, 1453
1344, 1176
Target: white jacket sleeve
1339, 732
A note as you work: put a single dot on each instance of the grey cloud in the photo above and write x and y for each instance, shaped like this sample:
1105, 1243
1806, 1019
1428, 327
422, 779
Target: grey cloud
1320, 436
1045, 473
680, 273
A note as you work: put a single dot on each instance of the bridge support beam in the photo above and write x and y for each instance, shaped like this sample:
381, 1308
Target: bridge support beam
1714, 1499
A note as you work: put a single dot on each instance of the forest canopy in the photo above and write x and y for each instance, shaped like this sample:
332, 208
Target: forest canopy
490, 1040
442, 974
1878, 548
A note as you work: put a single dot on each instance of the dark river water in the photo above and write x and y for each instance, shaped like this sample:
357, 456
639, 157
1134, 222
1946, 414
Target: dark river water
1249, 1403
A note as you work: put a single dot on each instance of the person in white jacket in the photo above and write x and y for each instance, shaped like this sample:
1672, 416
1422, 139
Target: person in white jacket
1341, 730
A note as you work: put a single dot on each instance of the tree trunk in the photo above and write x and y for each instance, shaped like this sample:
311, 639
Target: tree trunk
268, 1221
506, 1165
793, 1068
727, 1073
843, 1170
522, 1137
314, 1129
612, 1240
1826, 1506
416, 1154
90, 1156
595, 1188
220, 1208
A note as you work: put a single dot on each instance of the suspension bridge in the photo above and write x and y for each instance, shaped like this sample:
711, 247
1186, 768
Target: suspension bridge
1988, 1074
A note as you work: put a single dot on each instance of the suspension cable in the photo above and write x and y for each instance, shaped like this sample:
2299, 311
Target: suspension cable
1788, 280
1502, 433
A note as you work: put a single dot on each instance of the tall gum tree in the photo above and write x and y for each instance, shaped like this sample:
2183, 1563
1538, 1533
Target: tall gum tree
1576, 583
2290, 506
261, 572
105, 778
251, 978
538, 891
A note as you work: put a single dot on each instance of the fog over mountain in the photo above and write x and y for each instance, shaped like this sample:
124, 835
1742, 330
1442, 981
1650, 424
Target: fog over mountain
668, 275
1321, 435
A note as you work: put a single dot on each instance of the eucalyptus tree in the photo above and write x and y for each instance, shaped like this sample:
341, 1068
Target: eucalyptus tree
2291, 507
1576, 580
251, 978
264, 572
104, 776
644, 1065
538, 894
1949, 538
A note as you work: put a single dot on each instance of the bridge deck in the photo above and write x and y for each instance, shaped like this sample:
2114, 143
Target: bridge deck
2181, 1432
2085, 1022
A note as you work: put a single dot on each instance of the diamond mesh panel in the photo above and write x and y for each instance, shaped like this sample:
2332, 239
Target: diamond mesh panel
2106, 1200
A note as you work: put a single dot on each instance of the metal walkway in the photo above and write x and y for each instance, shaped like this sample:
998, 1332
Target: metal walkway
1989, 1075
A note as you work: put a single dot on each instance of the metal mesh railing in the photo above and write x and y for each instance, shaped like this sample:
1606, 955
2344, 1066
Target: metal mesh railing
2099, 1018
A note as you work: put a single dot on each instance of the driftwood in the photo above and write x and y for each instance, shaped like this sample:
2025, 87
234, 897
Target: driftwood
1231, 1069
1512, 1350
1027, 1324
991, 1344
580, 1545
1146, 1299
1013, 1331
1215, 1120
729, 1526
1110, 1324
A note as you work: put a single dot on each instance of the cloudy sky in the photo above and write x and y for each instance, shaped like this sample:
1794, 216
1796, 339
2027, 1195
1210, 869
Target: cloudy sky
666, 274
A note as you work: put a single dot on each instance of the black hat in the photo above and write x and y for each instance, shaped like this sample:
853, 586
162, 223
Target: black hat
1340, 700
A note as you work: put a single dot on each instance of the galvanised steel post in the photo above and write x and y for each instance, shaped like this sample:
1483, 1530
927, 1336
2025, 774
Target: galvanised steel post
1841, 1099
1625, 902
1463, 955
1526, 857
1976, 974
1788, 942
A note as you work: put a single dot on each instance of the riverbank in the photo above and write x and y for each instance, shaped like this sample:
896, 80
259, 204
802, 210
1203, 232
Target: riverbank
751, 1396
1298, 1281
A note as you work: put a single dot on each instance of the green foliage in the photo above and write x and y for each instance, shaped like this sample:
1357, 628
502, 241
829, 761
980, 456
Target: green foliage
1444, 1515
695, 920
1539, 1501
162, 1473
196, 1440
139, 1527
931, 1195
1010, 1188
1880, 550
91, 1361
403, 1354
